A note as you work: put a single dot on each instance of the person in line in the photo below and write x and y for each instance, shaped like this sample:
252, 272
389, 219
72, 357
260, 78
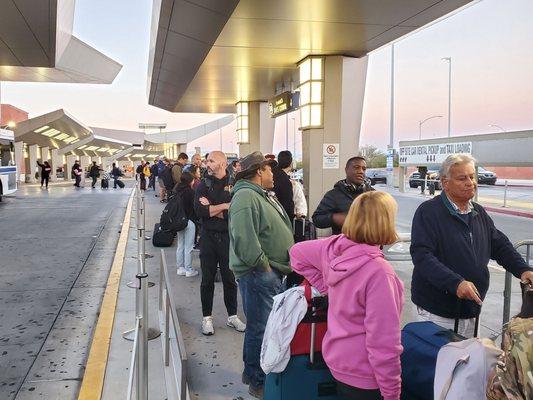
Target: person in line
166, 179
196, 160
116, 173
140, 175
452, 241
46, 169
211, 203
186, 237
362, 345
161, 163
260, 238
335, 204
300, 202
177, 168
147, 173
76, 173
282, 182
153, 175
94, 174
233, 169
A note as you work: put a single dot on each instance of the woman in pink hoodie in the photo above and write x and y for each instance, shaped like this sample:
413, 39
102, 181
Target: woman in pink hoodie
362, 345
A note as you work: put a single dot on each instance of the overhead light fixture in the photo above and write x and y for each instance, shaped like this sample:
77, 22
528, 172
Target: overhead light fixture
243, 130
311, 92
69, 139
103, 149
61, 136
82, 147
41, 129
50, 132
91, 148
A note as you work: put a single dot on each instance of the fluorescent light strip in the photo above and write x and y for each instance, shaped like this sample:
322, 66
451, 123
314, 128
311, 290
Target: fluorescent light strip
42, 128
61, 136
91, 148
82, 147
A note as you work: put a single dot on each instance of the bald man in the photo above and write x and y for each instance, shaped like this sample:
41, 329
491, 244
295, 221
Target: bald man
211, 205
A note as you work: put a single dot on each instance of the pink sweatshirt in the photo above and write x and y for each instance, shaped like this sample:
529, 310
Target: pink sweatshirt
362, 346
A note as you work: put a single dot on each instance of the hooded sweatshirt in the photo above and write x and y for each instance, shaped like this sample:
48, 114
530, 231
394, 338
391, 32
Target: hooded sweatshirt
259, 230
362, 345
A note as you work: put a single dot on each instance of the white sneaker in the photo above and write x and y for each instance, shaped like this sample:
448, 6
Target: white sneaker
235, 323
207, 326
191, 273
182, 271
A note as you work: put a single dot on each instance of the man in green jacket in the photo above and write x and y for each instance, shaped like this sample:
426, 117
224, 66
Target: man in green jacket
260, 238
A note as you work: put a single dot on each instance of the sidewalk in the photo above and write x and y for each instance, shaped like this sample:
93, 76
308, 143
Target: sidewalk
214, 363
515, 182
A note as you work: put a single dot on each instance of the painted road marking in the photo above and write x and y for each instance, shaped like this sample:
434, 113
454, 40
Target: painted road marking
93, 379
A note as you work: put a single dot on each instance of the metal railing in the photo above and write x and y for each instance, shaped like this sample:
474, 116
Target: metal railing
508, 279
139, 356
175, 355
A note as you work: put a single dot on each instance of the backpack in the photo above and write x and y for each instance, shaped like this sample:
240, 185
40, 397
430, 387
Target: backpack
511, 379
173, 217
166, 176
463, 368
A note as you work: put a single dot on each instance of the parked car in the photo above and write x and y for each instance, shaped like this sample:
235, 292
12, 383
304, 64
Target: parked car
486, 177
415, 181
376, 175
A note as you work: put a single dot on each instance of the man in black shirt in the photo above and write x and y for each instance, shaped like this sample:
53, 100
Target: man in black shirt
211, 203
283, 184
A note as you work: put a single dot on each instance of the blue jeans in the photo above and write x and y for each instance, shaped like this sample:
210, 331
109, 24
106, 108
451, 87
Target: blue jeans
185, 246
257, 290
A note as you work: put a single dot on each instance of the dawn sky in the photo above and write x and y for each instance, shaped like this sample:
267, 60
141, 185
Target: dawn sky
490, 45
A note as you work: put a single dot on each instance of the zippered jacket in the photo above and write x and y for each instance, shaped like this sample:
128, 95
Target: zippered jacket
447, 249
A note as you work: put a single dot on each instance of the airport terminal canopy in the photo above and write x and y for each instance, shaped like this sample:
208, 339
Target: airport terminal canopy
205, 56
37, 45
55, 129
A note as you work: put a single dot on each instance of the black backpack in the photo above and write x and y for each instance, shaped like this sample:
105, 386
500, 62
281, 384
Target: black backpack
173, 217
166, 177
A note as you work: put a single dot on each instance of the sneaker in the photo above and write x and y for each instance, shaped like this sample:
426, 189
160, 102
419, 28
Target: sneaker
191, 273
235, 323
256, 391
207, 326
182, 271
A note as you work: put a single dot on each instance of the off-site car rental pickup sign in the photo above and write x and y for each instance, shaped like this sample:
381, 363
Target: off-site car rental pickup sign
432, 153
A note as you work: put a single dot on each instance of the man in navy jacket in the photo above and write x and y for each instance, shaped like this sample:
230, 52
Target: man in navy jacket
452, 241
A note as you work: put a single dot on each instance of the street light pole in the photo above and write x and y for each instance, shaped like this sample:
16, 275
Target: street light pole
497, 126
449, 60
420, 123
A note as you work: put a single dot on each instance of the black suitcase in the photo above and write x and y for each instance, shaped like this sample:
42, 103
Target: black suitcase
161, 238
105, 183
303, 230
120, 184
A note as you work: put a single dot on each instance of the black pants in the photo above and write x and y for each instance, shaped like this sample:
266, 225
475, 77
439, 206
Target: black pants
94, 180
214, 251
44, 179
78, 180
347, 392
151, 182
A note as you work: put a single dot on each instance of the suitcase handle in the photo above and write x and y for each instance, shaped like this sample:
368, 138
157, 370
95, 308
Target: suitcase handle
456, 324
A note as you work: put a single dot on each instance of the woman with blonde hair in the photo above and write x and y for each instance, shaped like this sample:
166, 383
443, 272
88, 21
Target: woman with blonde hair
362, 345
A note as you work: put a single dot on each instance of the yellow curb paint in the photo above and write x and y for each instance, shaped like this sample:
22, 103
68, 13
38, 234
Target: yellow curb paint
93, 379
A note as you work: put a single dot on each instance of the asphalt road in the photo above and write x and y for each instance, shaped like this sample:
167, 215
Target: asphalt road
56, 248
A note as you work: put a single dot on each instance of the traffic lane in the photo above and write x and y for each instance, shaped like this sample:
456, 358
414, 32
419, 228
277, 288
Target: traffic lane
45, 239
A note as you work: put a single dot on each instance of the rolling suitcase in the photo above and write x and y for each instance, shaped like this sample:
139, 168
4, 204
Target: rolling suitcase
104, 183
162, 238
421, 343
306, 376
120, 184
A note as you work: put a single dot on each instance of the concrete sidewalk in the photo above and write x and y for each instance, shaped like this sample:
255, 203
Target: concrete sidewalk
215, 362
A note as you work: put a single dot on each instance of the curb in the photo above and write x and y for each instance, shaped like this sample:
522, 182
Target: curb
510, 211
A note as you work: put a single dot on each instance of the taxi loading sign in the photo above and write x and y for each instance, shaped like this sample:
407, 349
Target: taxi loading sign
330, 157
432, 153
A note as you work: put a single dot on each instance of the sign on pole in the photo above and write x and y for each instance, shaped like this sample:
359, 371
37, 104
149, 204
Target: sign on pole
390, 160
432, 153
331, 156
